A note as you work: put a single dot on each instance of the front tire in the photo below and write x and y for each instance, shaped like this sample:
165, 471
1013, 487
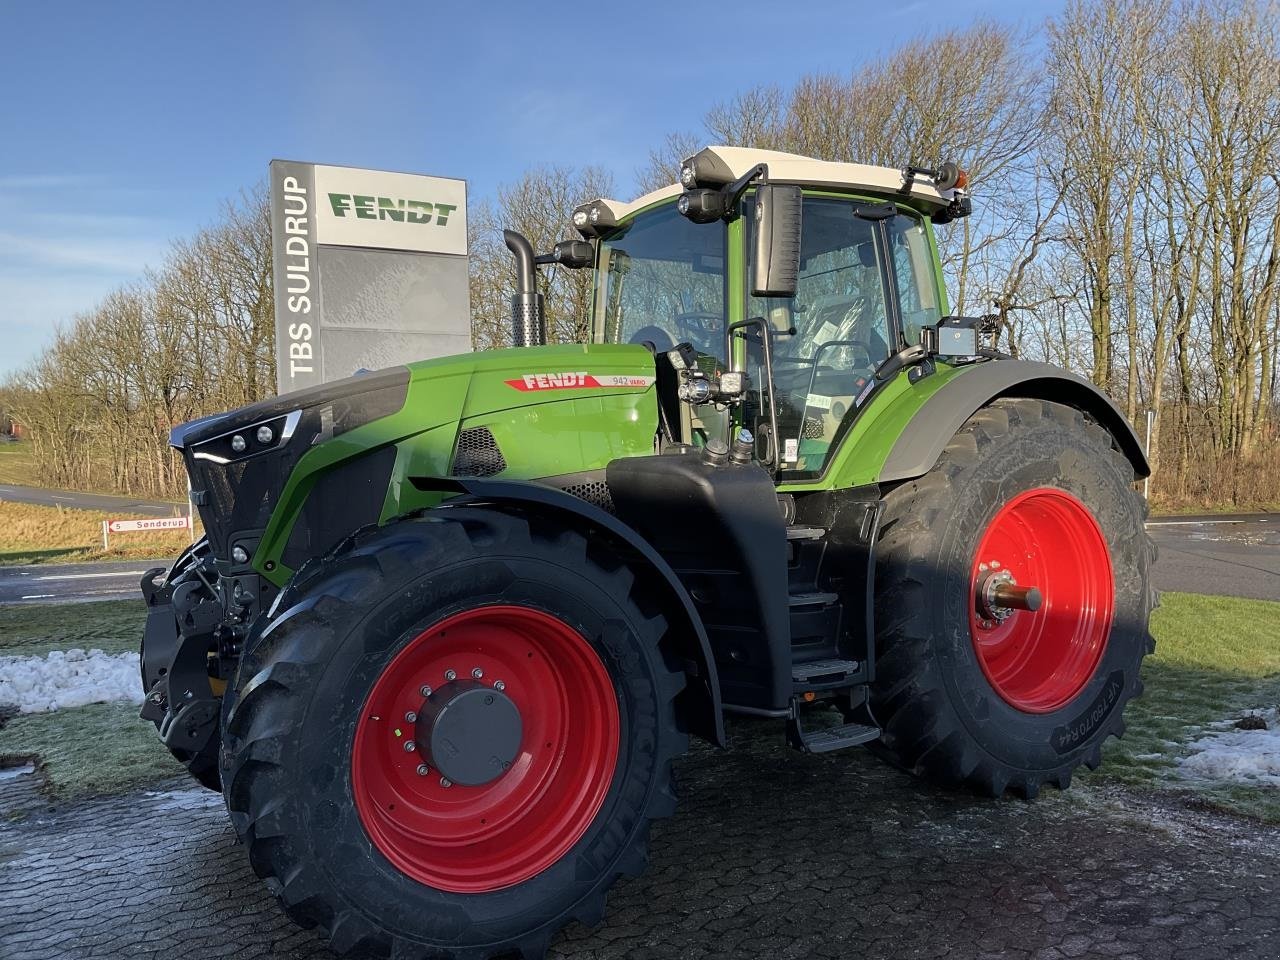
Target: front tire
972, 693
540, 754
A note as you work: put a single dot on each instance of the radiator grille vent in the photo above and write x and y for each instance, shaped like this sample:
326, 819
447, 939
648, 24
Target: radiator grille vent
478, 454
592, 491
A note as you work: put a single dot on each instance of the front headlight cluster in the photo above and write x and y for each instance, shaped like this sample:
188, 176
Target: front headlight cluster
248, 441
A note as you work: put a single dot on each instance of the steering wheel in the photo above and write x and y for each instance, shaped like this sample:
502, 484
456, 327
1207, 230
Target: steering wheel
655, 336
700, 326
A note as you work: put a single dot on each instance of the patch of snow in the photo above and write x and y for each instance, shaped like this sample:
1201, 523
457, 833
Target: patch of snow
1241, 756
169, 801
13, 773
69, 678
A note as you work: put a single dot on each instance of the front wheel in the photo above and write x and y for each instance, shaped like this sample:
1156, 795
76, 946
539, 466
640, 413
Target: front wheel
1012, 601
452, 737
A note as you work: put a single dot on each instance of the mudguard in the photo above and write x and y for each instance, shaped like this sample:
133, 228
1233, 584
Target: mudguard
701, 699
918, 446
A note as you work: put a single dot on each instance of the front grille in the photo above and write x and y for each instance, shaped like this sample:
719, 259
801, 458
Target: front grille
477, 454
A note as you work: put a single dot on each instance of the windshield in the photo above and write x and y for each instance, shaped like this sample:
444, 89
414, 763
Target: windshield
661, 280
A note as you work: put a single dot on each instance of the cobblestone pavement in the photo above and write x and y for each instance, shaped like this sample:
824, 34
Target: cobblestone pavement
772, 855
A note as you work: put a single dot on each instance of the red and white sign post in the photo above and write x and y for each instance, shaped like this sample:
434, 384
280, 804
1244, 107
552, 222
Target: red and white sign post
141, 526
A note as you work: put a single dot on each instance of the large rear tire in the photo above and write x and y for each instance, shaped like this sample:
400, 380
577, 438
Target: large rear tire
973, 693
540, 754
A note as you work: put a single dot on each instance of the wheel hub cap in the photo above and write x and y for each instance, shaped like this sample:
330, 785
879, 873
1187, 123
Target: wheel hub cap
469, 732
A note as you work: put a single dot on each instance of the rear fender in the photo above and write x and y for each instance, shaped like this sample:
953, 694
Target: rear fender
921, 443
700, 702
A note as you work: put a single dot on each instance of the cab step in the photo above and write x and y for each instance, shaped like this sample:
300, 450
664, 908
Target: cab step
825, 674
827, 739
805, 533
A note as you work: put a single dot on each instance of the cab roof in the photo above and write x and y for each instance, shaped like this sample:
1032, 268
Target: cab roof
719, 165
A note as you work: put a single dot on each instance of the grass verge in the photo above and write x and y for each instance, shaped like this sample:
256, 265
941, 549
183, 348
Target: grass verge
17, 463
32, 533
1216, 659
98, 749
113, 626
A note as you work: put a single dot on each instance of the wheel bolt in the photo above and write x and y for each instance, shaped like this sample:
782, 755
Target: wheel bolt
424, 690
409, 746
410, 717
423, 769
477, 673
499, 685
446, 782
451, 675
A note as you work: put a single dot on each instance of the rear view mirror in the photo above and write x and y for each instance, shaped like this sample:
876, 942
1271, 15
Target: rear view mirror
776, 263
953, 337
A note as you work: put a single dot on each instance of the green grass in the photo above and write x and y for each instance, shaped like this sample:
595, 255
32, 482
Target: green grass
99, 749
17, 463
1216, 659
114, 626
35, 533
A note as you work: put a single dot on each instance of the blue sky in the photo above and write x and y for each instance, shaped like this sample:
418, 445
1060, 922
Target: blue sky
124, 126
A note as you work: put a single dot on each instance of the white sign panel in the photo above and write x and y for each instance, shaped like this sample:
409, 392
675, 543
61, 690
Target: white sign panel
391, 211
159, 523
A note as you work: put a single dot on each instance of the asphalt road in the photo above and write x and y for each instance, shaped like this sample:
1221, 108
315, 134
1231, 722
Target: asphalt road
772, 855
74, 582
1236, 556
89, 501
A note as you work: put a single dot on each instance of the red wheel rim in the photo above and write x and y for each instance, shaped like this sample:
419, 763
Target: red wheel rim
474, 839
1037, 661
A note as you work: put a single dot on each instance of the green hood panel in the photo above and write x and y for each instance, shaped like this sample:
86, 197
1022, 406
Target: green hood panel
551, 410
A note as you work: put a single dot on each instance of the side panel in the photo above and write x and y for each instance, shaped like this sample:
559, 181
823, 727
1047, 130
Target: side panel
860, 458
555, 410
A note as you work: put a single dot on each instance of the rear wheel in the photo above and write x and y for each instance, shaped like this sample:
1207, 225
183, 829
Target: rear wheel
452, 737
1012, 601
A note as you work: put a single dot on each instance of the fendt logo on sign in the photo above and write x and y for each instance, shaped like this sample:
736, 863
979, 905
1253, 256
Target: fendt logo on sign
387, 208
576, 381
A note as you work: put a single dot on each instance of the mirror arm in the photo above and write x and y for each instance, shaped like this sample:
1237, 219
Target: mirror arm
733, 192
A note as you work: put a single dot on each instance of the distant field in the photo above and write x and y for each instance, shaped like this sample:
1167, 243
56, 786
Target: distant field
17, 465
39, 534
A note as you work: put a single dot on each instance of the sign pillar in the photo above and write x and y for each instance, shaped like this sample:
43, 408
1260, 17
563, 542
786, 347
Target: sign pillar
370, 270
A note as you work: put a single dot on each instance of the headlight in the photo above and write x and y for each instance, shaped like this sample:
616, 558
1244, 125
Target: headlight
265, 434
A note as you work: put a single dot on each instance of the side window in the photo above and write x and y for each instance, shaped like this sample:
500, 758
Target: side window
914, 275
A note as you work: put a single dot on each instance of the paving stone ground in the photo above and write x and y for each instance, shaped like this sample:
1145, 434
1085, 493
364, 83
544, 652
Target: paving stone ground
772, 855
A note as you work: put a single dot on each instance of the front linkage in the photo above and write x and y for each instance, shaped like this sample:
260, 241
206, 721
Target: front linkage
194, 632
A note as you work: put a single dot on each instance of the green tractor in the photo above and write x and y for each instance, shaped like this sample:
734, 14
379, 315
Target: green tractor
452, 623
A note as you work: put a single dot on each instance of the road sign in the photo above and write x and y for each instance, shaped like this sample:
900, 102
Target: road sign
155, 523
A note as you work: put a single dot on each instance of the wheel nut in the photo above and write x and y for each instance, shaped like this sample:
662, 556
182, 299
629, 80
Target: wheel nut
410, 717
477, 673
409, 746
451, 675
499, 685
423, 769
446, 782
424, 690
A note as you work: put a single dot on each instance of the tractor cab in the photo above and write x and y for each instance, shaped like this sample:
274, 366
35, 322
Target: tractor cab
828, 268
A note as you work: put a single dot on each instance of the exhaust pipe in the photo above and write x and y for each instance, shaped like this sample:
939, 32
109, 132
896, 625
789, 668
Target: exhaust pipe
528, 316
